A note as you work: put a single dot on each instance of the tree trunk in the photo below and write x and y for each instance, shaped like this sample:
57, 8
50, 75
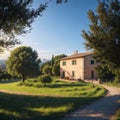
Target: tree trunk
23, 78
117, 76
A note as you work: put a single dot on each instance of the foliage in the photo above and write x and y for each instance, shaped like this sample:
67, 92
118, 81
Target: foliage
56, 70
104, 74
58, 57
52, 67
56, 65
103, 37
48, 63
47, 69
16, 19
23, 62
5, 75
45, 79
117, 78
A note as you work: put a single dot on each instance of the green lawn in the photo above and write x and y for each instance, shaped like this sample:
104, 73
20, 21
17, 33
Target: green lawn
112, 84
46, 103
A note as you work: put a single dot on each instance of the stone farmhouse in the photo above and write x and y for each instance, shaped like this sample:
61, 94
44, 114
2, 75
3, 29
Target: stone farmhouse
78, 66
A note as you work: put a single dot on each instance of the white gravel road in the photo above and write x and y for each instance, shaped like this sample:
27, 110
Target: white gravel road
102, 109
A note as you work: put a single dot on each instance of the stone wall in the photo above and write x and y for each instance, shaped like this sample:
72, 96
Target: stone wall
78, 68
89, 68
83, 69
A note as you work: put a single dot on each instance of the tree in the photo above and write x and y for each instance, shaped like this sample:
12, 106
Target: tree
47, 69
52, 67
56, 65
52, 60
23, 62
104, 73
56, 69
103, 36
16, 19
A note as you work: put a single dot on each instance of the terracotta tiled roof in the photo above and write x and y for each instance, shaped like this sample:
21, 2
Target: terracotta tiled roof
79, 55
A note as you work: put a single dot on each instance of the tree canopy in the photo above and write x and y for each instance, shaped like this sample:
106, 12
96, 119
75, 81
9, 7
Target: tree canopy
103, 36
56, 64
52, 67
23, 62
16, 17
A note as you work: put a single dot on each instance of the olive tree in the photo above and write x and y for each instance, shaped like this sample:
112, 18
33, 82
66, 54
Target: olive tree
23, 62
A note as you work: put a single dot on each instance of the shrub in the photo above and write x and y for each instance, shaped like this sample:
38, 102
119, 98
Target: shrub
5, 76
117, 78
45, 79
20, 84
32, 80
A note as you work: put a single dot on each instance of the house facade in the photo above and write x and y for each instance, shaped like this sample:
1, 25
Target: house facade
78, 66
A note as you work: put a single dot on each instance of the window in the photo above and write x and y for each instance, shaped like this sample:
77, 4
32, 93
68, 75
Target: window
92, 62
64, 63
73, 73
74, 62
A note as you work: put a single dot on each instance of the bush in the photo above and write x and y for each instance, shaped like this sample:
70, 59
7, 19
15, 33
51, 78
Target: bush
117, 78
45, 79
26, 83
20, 84
5, 75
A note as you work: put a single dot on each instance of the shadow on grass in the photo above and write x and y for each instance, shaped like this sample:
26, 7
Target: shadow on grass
55, 85
19, 107
9, 81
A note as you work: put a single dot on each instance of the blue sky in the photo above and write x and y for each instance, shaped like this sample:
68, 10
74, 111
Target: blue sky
58, 30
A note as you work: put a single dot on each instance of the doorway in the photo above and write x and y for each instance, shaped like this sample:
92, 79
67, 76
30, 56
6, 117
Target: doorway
63, 74
92, 74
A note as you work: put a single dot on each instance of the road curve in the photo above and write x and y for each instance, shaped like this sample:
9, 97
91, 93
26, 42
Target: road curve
102, 109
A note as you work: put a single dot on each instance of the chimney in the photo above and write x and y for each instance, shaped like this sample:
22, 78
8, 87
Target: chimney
75, 52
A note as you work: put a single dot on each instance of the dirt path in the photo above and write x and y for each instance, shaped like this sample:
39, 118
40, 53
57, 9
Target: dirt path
102, 109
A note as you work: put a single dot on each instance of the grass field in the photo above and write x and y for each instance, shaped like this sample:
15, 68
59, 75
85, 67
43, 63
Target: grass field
112, 84
45, 103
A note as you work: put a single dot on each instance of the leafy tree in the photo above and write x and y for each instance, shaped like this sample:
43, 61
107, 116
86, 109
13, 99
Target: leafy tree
23, 62
56, 69
47, 69
16, 19
43, 64
52, 60
104, 74
52, 67
5, 75
104, 34
56, 65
